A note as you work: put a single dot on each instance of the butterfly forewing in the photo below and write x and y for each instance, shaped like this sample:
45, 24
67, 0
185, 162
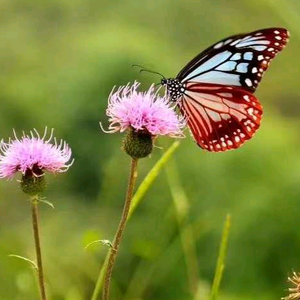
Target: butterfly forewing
214, 91
239, 60
220, 117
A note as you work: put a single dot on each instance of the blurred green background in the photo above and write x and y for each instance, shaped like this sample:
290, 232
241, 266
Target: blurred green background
59, 60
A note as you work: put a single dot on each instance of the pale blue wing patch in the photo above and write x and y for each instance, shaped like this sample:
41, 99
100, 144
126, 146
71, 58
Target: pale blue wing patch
242, 67
210, 64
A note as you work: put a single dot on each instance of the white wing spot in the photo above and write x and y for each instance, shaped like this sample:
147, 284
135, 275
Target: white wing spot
224, 144
250, 111
219, 45
237, 139
254, 70
260, 57
235, 42
218, 146
246, 97
270, 49
228, 41
277, 37
249, 128
276, 32
230, 143
248, 82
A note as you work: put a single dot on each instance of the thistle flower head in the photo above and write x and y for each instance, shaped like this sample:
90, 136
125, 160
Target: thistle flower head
294, 292
32, 155
142, 112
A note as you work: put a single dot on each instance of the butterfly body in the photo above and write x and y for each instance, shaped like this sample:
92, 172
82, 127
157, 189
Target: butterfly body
175, 88
214, 91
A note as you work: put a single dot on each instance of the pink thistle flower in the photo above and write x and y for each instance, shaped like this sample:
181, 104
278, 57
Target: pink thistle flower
294, 292
143, 112
33, 155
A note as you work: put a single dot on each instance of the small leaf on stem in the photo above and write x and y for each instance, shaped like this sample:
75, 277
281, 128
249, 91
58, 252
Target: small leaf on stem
25, 259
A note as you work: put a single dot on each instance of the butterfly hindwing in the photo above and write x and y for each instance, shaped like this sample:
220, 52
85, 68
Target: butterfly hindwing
239, 60
220, 117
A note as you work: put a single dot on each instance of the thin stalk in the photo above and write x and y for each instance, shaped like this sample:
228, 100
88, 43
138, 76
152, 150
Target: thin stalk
221, 260
35, 226
118, 236
136, 199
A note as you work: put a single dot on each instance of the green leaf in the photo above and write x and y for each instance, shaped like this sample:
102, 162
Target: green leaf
25, 259
46, 202
151, 176
103, 242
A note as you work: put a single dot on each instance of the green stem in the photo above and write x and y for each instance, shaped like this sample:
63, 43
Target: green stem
221, 260
35, 225
136, 199
118, 237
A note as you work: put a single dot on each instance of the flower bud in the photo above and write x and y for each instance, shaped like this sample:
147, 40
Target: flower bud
138, 144
33, 185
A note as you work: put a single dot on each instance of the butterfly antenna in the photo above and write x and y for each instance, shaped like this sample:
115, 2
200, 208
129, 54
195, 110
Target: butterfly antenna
143, 69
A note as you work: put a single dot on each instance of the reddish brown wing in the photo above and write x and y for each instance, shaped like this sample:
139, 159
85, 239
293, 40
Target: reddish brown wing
220, 117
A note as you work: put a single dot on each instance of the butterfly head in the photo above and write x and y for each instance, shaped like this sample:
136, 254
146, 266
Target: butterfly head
174, 88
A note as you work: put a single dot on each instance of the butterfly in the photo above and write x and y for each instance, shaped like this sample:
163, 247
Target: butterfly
214, 91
